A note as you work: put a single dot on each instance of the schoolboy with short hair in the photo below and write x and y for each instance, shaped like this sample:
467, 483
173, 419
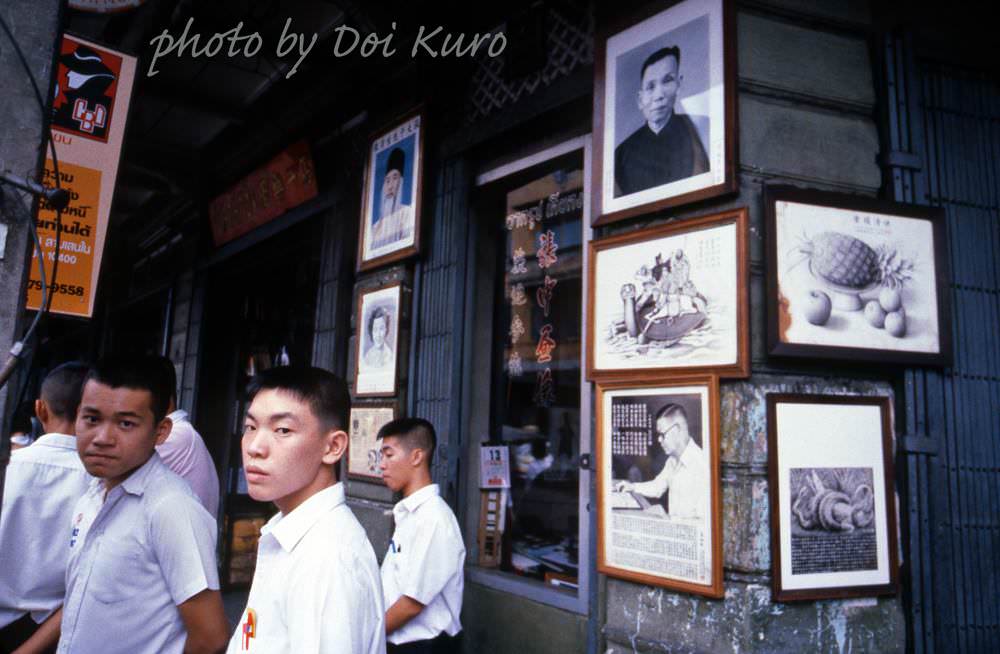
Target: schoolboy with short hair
142, 574
422, 573
316, 587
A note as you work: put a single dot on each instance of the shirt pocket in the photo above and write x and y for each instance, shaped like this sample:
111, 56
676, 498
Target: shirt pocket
118, 573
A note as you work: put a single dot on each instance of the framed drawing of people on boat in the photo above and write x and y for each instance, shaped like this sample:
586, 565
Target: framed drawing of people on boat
390, 203
670, 298
664, 108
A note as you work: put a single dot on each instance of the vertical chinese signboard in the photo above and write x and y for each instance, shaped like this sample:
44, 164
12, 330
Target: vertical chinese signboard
92, 94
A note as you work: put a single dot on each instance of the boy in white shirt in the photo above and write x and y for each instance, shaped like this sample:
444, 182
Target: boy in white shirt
142, 576
422, 573
43, 483
316, 587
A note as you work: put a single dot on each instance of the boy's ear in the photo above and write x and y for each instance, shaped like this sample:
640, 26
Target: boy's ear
417, 456
336, 446
163, 430
41, 411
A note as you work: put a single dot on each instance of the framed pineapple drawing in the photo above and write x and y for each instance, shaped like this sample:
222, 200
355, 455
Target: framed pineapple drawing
853, 278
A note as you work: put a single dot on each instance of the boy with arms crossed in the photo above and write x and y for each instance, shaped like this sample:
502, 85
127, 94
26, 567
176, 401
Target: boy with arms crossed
142, 574
422, 574
316, 588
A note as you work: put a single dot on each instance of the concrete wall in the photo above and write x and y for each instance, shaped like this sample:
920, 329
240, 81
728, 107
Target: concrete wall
33, 23
806, 111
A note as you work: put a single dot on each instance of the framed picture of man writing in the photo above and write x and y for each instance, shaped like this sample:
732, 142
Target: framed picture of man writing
664, 110
390, 202
659, 502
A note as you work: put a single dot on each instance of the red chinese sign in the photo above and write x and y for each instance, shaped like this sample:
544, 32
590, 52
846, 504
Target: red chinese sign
281, 184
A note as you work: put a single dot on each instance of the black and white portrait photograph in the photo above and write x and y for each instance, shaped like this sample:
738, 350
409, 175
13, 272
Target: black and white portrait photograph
671, 297
663, 107
378, 341
659, 469
390, 220
856, 278
833, 531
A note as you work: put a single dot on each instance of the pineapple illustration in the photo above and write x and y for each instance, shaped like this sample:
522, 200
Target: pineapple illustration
850, 262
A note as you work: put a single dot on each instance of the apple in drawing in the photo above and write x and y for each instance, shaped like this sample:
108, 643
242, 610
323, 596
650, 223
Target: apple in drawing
875, 314
818, 307
895, 323
890, 298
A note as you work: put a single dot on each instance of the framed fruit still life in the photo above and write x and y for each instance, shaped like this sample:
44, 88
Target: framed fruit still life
854, 278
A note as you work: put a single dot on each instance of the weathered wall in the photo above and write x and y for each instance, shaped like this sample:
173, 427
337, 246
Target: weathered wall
806, 112
33, 23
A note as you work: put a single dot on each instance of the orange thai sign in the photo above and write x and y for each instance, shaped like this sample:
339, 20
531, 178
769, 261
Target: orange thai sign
93, 89
282, 183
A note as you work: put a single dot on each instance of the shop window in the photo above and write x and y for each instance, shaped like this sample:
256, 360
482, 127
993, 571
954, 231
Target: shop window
534, 221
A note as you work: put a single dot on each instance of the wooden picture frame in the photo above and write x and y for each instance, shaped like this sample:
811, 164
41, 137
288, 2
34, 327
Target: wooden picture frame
857, 279
399, 147
670, 299
363, 454
376, 359
699, 78
638, 426
832, 499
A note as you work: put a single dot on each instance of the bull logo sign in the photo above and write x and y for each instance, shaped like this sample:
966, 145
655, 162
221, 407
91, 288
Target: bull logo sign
86, 83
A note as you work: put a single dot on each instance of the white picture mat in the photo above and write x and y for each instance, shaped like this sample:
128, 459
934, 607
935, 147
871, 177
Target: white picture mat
913, 238
705, 524
711, 103
371, 379
716, 278
830, 436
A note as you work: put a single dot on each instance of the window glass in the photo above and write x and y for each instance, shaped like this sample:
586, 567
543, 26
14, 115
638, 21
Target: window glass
536, 371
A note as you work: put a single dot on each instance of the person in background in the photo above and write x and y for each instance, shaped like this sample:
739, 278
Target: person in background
42, 485
142, 576
184, 451
422, 573
316, 587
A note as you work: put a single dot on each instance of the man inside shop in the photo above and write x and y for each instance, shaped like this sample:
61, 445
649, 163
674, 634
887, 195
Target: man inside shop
394, 219
142, 575
422, 573
684, 474
42, 485
668, 147
316, 586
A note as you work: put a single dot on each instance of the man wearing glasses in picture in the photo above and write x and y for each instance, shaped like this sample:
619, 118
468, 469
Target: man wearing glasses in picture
685, 474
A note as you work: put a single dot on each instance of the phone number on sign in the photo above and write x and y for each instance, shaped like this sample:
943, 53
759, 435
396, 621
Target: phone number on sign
65, 289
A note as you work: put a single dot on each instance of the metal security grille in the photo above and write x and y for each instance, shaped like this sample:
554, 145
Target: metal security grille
569, 44
945, 135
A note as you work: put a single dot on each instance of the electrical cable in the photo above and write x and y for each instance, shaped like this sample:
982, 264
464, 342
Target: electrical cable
16, 350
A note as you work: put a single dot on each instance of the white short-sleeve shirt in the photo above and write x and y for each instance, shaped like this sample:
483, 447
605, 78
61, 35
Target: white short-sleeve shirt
425, 562
42, 485
316, 587
134, 556
185, 453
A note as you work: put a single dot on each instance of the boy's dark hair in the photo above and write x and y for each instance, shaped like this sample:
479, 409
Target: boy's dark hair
169, 375
142, 373
412, 433
325, 393
62, 387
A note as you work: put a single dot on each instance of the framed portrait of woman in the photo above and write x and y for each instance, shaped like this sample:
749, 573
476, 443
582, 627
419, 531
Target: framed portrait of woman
377, 340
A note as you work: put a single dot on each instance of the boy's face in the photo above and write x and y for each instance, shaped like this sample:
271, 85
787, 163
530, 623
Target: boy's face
287, 455
397, 469
116, 431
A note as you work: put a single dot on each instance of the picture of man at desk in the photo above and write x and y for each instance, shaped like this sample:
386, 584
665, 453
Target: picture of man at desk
683, 478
